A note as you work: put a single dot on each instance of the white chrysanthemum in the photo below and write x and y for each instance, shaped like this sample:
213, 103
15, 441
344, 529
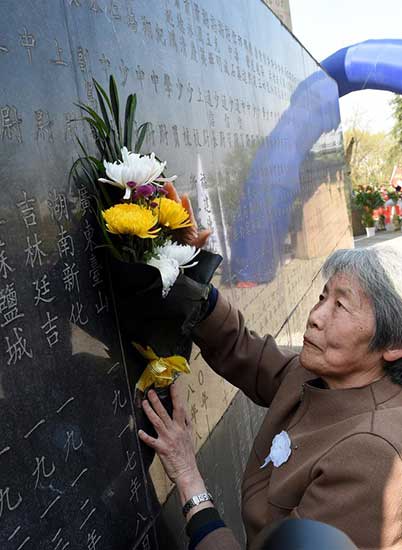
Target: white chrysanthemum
134, 168
169, 270
182, 253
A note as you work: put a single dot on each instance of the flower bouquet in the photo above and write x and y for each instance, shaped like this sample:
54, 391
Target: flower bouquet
157, 303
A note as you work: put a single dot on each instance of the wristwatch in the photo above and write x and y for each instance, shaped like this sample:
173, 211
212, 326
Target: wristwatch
195, 501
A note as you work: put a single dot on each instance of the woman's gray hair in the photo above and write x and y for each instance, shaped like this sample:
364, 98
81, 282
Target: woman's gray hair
379, 272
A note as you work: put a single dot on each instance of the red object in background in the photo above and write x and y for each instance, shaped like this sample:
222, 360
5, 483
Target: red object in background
377, 213
387, 213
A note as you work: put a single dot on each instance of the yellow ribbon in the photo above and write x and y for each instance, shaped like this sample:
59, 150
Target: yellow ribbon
160, 371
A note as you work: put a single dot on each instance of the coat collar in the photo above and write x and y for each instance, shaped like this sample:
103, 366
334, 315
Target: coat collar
328, 406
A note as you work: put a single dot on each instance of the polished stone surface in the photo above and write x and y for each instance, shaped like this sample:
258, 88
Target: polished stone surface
250, 124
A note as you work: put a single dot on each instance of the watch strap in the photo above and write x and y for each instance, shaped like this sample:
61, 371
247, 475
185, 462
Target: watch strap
195, 501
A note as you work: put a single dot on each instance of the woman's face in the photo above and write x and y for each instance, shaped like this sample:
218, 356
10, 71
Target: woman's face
338, 333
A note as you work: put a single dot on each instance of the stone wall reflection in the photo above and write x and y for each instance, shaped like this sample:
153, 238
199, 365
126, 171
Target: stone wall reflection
250, 124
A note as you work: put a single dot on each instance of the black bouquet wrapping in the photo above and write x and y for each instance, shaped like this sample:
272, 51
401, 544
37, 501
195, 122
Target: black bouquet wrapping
162, 324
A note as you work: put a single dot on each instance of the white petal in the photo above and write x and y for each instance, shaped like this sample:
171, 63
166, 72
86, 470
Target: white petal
127, 194
182, 253
169, 269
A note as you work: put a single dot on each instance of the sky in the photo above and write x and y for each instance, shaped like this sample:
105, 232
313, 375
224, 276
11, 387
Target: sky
325, 26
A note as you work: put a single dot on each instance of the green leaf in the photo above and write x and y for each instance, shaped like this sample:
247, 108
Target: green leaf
103, 93
129, 115
98, 130
94, 115
103, 109
114, 98
141, 132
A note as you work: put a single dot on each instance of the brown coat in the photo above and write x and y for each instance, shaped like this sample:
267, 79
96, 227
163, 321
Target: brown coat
345, 468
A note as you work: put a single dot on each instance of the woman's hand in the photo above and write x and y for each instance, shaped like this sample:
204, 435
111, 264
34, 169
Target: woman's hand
188, 235
174, 444
174, 447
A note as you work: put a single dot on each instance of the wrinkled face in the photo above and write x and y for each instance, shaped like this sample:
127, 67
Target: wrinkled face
338, 333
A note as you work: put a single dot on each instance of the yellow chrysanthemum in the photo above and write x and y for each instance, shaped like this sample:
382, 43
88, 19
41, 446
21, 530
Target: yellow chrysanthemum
131, 219
172, 214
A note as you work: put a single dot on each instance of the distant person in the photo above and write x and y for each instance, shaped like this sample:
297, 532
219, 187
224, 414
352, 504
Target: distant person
330, 446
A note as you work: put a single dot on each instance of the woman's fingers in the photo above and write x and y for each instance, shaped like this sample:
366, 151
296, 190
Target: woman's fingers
157, 423
151, 441
159, 408
178, 409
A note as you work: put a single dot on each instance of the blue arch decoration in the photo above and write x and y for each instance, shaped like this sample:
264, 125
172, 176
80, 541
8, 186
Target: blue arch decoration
373, 64
257, 250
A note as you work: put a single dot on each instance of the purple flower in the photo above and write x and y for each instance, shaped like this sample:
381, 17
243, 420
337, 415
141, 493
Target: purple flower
144, 191
131, 184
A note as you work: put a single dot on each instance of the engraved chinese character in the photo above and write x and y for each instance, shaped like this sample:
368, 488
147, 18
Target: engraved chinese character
27, 211
65, 243
172, 40
93, 540
105, 62
57, 204
42, 289
82, 59
176, 135
34, 252
135, 485
140, 75
10, 124
17, 350
190, 91
95, 271
179, 86
146, 27
4, 267
43, 126
118, 401
6, 502
168, 84
76, 316
89, 232
71, 443
70, 126
131, 20
95, 6
70, 277
155, 79
150, 135
124, 72
163, 135
85, 199
40, 470
59, 59
27, 41
103, 304
9, 305
50, 329
159, 35
115, 10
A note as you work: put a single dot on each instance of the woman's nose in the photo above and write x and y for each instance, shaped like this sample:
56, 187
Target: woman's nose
317, 316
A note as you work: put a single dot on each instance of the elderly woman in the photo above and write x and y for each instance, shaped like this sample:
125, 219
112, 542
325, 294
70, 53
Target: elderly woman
337, 407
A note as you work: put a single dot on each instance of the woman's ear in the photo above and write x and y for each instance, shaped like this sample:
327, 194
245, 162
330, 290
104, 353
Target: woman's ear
392, 354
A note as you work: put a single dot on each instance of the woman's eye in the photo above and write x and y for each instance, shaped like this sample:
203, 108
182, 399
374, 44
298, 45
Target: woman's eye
321, 297
339, 304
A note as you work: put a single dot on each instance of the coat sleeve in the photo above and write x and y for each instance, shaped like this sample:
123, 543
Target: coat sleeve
255, 365
357, 487
222, 538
